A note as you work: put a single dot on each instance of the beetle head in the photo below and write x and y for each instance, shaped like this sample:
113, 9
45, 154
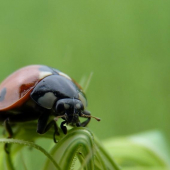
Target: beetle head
69, 110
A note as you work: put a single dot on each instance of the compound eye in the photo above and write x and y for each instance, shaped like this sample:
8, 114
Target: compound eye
66, 106
78, 106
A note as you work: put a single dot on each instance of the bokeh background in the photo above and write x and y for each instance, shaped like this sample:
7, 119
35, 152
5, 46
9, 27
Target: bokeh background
126, 44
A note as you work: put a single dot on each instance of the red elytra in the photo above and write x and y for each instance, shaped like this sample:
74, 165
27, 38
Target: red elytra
19, 85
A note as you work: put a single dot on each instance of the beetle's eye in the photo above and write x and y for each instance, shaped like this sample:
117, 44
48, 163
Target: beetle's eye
78, 106
66, 106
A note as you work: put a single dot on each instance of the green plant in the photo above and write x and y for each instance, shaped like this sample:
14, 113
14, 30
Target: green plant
79, 149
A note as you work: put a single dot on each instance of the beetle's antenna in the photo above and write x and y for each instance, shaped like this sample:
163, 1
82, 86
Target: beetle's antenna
83, 115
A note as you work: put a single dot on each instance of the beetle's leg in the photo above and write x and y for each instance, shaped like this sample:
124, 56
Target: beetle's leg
56, 132
10, 133
43, 127
64, 129
8, 128
42, 123
85, 123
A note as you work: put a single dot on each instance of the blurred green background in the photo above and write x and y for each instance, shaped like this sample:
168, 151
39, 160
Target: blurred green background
124, 43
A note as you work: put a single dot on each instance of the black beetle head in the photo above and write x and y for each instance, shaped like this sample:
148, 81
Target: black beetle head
69, 110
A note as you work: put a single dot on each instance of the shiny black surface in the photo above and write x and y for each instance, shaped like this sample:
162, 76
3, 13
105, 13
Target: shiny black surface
60, 86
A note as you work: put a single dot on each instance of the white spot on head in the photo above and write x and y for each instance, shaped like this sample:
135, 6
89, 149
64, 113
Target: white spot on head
78, 106
66, 106
47, 101
83, 99
44, 74
64, 75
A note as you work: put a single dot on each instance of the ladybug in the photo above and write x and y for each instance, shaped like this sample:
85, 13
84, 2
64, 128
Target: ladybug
38, 92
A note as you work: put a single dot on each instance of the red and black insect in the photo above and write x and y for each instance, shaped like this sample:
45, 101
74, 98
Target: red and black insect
39, 92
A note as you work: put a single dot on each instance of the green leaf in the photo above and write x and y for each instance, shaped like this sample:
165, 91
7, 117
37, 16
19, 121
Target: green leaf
79, 149
145, 150
30, 144
80, 145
